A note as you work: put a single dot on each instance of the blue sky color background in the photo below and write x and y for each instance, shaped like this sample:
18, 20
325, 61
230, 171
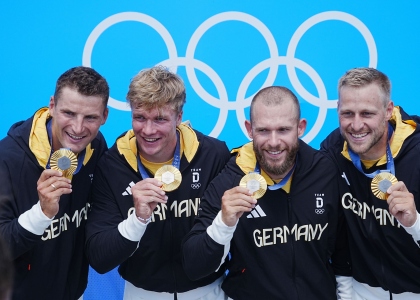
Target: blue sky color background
40, 40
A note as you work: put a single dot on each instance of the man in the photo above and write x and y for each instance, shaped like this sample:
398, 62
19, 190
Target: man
281, 244
138, 221
42, 212
378, 139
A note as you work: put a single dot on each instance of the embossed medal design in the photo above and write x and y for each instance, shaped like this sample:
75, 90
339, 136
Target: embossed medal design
380, 184
255, 183
64, 160
170, 176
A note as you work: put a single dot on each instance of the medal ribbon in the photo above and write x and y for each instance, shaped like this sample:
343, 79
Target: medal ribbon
80, 157
282, 182
176, 162
390, 168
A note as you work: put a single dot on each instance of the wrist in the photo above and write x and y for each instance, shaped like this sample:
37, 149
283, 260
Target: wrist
144, 221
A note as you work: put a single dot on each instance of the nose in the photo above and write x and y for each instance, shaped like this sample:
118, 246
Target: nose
78, 125
149, 128
273, 140
357, 123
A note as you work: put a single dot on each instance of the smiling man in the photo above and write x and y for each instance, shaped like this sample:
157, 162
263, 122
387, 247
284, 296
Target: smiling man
281, 244
140, 213
378, 146
43, 213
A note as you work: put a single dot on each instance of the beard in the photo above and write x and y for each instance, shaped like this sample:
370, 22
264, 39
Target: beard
273, 167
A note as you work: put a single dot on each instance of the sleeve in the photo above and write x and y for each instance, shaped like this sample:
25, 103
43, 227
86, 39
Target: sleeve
106, 247
344, 287
201, 253
414, 230
19, 239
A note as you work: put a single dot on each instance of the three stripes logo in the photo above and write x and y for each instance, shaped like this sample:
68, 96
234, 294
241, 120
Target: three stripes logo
128, 189
257, 212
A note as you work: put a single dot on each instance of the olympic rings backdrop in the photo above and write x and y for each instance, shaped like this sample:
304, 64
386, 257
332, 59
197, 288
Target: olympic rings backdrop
224, 50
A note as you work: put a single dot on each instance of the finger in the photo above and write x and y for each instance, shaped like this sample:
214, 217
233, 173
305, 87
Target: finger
149, 184
398, 186
47, 174
238, 190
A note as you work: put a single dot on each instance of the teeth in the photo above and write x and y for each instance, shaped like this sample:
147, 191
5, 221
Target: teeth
360, 135
75, 136
274, 152
150, 140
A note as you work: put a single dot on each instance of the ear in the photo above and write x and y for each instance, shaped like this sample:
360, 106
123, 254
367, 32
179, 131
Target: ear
105, 115
389, 110
179, 118
248, 127
301, 127
51, 106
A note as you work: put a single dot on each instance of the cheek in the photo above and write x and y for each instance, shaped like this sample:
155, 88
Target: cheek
135, 125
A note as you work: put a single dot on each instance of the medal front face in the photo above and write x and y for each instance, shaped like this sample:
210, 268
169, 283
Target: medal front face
255, 183
65, 161
170, 177
380, 184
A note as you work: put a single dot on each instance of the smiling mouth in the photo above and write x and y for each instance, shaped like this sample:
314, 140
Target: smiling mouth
75, 137
274, 152
358, 136
150, 140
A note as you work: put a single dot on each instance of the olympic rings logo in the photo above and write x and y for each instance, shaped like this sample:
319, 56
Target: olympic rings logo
241, 102
196, 186
319, 211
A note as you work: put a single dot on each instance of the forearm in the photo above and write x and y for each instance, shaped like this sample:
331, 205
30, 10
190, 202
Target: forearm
26, 231
205, 250
108, 249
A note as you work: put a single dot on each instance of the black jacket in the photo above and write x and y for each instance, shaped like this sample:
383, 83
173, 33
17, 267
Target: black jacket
383, 254
51, 266
156, 264
283, 249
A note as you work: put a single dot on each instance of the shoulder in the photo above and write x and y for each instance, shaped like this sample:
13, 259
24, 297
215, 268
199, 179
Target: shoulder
310, 158
211, 143
333, 141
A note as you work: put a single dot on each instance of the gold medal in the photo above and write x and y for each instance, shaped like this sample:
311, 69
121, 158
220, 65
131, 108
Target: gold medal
255, 183
64, 160
380, 184
170, 176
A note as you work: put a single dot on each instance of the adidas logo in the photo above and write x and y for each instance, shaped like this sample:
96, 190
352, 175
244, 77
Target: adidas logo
128, 189
257, 212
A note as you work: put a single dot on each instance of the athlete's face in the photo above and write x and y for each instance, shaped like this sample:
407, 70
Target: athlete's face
275, 131
364, 119
76, 119
155, 132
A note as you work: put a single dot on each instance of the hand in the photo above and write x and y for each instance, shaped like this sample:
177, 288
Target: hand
147, 193
235, 202
401, 204
51, 185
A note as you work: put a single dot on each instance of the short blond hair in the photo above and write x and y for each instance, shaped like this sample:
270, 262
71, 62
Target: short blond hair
155, 88
360, 77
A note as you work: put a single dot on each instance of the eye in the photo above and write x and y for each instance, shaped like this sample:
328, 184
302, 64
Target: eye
346, 114
139, 118
160, 119
91, 118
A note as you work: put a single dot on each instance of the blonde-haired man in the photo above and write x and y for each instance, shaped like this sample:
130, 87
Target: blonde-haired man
134, 222
378, 145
